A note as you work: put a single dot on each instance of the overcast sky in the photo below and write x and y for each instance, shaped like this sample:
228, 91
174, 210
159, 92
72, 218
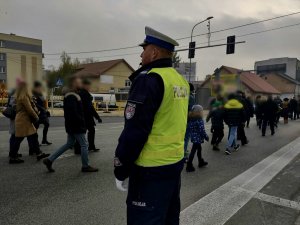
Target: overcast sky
88, 25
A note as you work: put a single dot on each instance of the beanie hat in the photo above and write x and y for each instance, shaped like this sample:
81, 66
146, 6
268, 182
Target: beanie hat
19, 81
197, 108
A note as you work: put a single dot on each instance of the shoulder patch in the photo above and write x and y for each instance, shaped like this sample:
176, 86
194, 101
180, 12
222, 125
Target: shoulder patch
130, 110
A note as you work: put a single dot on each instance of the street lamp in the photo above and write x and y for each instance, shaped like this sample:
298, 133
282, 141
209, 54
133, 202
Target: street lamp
207, 19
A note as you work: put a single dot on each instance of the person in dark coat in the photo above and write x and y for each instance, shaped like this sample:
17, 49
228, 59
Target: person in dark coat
269, 112
198, 135
278, 102
89, 114
285, 110
75, 127
234, 116
40, 103
293, 105
217, 126
250, 109
258, 111
241, 135
298, 108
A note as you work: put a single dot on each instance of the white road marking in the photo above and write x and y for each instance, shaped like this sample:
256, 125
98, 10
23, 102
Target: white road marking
221, 204
278, 201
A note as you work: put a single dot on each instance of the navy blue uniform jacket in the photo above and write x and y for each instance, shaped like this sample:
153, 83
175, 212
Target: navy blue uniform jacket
145, 97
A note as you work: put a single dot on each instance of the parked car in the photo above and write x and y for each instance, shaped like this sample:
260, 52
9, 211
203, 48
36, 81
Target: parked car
58, 105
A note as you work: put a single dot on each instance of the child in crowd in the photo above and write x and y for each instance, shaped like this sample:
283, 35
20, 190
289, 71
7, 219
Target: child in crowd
217, 126
198, 135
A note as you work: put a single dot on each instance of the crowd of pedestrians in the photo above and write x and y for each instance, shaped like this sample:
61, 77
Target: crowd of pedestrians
236, 112
27, 110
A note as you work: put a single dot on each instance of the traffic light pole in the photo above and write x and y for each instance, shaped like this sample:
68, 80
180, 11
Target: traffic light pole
210, 46
190, 70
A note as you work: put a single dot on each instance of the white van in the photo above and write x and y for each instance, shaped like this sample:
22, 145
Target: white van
104, 99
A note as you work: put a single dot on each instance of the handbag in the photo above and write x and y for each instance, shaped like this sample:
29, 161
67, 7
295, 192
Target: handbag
10, 111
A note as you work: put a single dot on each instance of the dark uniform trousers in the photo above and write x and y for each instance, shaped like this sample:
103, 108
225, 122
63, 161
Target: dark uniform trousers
152, 199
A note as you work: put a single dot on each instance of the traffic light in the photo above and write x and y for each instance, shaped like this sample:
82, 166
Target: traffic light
192, 50
230, 44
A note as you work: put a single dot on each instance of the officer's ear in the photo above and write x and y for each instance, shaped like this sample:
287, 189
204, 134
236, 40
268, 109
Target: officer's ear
155, 53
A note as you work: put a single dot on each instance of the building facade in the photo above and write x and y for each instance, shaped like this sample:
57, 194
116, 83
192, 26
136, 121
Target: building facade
107, 76
184, 69
249, 82
20, 56
288, 66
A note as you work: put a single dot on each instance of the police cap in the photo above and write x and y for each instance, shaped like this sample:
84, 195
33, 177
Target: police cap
159, 39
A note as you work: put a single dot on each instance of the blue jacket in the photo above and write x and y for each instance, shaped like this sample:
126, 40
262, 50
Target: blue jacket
198, 133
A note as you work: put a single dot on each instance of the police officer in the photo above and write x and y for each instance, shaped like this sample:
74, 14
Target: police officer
151, 147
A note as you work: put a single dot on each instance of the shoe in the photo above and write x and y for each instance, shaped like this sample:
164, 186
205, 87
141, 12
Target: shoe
216, 148
15, 161
227, 152
202, 164
236, 148
272, 133
42, 156
245, 143
94, 149
48, 164
263, 135
89, 169
46, 143
190, 168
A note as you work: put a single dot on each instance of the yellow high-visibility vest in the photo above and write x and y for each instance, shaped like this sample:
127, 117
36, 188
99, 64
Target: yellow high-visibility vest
165, 144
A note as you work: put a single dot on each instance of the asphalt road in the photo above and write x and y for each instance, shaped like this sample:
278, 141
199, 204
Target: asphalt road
30, 195
59, 121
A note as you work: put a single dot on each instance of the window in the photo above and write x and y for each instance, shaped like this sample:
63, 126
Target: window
2, 69
127, 83
2, 56
2, 44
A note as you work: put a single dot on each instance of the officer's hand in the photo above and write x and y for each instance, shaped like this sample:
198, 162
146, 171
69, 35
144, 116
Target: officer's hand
207, 138
121, 185
99, 120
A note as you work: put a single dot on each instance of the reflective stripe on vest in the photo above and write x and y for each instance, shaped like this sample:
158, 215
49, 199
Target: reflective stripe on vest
165, 144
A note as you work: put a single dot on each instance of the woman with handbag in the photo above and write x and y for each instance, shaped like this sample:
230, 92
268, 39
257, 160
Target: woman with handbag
24, 124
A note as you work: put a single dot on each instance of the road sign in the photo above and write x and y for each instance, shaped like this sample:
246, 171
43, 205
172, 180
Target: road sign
59, 82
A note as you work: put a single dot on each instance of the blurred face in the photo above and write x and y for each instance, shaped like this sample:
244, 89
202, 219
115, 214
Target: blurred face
77, 83
38, 90
87, 87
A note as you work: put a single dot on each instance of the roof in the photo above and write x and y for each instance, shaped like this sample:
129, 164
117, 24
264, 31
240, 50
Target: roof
287, 77
251, 80
98, 68
257, 84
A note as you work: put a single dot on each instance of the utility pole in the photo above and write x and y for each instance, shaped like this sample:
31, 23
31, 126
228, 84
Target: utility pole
192, 45
208, 34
